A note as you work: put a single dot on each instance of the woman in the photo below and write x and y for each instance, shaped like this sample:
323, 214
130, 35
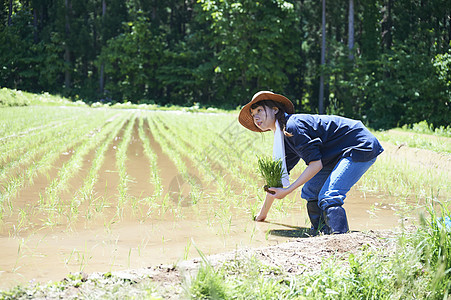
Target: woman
337, 151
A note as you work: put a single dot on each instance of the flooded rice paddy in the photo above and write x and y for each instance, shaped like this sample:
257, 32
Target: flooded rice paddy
106, 190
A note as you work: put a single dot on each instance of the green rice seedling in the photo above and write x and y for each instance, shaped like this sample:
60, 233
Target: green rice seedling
271, 171
66, 172
86, 192
58, 144
193, 143
155, 176
169, 146
121, 157
20, 151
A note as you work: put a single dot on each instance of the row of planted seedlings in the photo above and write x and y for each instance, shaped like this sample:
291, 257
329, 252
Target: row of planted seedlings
65, 140
20, 156
141, 207
124, 177
19, 137
97, 141
227, 152
86, 194
12, 121
172, 199
154, 169
210, 199
235, 150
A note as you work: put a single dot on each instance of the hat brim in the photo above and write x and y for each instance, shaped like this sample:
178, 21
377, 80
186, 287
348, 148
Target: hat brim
245, 117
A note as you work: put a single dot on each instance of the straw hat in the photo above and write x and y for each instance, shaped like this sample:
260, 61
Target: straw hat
245, 117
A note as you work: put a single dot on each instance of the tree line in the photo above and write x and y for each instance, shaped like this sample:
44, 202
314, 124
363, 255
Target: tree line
383, 61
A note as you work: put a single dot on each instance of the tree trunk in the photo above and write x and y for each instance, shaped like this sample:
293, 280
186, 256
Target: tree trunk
35, 26
387, 24
323, 60
102, 66
448, 16
10, 12
67, 55
351, 30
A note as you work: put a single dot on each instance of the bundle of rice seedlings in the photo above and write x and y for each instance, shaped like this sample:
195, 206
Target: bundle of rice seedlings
271, 171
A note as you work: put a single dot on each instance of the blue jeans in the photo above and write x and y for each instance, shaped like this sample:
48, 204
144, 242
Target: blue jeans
330, 186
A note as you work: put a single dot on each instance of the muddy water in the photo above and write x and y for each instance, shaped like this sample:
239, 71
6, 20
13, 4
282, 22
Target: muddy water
146, 234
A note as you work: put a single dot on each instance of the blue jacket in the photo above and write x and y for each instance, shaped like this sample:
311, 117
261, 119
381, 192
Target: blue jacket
328, 138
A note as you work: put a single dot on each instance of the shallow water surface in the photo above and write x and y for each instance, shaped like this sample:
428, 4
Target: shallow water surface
51, 254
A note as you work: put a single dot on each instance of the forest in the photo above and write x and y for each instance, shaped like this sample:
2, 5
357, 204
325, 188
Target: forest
385, 62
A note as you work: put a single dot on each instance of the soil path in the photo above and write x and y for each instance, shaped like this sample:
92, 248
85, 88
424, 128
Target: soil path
416, 156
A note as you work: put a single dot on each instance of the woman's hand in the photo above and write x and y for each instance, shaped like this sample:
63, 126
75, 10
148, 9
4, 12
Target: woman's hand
279, 193
265, 208
313, 168
261, 217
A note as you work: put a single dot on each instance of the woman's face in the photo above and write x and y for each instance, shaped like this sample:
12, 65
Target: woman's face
264, 117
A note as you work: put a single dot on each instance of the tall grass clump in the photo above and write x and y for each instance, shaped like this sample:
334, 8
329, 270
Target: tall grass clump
271, 171
426, 128
10, 97
208, 284
435, 235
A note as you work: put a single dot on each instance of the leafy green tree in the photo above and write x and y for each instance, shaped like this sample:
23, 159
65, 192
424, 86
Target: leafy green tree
131, 61
18, 67
254, 45
219, 53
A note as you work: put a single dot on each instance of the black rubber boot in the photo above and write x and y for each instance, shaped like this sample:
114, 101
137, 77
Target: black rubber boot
316, 217
335, 219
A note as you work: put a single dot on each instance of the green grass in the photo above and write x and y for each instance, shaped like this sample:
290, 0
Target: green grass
10, 97
419, 135
425, 128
